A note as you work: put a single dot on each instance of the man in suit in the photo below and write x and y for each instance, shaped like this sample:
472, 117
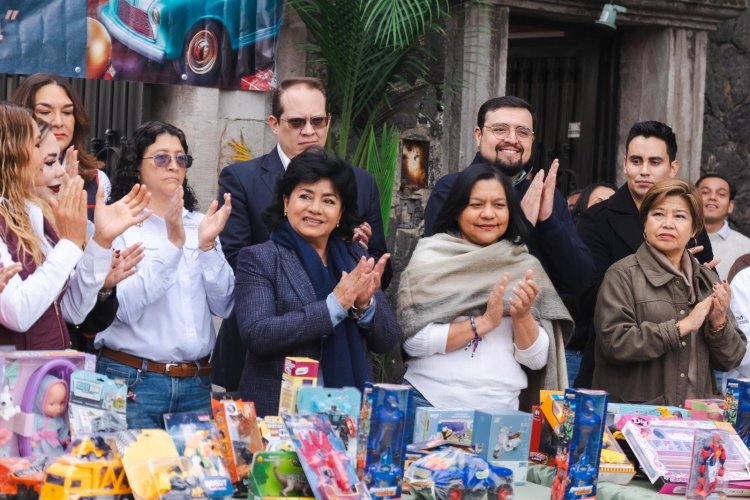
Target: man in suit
505, 136
613, 229
299, 119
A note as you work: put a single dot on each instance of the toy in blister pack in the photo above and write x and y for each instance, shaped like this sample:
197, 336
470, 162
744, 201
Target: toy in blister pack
274, 434
196, 438
324, 459
341, 406
579, 451
708, 466
239, 435
452, 473
278, 475
175, 478
381, 446
737, 407
97, 404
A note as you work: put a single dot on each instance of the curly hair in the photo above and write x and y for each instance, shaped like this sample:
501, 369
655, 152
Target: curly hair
16, 178
309, 167
25, 95
131, 155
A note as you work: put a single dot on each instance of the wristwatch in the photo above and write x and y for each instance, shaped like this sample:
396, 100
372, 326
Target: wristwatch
356, 313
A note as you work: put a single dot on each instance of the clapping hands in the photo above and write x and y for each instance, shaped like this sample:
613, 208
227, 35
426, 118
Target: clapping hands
359, 286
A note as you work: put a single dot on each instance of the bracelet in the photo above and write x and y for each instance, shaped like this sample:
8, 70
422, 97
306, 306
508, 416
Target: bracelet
473, 343
356, 313
679, 332
718, 328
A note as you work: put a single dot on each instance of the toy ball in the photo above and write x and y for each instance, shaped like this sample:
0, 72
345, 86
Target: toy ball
98, 49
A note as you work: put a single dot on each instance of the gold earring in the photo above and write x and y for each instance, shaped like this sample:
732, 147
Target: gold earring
284, 213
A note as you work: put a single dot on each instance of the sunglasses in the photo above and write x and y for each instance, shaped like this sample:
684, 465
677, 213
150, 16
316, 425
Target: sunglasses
315, 121
163, 160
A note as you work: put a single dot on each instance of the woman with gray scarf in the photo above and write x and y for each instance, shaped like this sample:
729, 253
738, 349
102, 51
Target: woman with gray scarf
662, 319
477, 311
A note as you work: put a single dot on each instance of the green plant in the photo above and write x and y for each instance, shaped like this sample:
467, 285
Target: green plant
381, 160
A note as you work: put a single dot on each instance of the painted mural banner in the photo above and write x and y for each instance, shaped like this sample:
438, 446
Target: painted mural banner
216, 43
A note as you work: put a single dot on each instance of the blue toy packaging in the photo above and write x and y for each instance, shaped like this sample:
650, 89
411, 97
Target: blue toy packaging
452, 424
341, 406
327, 466
580, 433
737, 407
381, 443
97, 404
502, 437
197, 439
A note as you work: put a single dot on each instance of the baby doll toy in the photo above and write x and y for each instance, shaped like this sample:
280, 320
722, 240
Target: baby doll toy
51, 433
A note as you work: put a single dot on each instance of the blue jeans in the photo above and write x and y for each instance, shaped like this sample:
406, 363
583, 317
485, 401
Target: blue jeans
573, 359
154, 394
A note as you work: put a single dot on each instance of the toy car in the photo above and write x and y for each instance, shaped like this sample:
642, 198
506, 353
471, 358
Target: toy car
200, 38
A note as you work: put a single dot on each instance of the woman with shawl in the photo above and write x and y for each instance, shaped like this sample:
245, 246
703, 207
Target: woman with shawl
477, 311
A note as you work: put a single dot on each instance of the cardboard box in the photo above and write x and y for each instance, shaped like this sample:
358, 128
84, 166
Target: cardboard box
502, 437
298, 371
451, 424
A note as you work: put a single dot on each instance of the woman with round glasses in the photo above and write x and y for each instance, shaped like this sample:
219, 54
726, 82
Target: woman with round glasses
163, 334
52, 99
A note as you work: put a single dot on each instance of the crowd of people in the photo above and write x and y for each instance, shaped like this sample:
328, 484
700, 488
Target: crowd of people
511, 289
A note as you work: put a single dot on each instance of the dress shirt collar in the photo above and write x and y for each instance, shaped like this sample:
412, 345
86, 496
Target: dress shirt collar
284, 158
724, 231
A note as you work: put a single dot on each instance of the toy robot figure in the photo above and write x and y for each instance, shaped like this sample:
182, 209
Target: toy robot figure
389, 419
743, 416
711, 466
560, 482
584, 441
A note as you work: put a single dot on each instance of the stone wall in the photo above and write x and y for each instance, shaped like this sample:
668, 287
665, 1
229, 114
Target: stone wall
726, 125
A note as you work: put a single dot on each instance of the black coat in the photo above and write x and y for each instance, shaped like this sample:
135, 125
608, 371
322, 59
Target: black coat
612, 230
252, 185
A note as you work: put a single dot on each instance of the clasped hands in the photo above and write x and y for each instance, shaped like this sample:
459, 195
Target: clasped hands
539, 201
356, 288
525, 294
714, 308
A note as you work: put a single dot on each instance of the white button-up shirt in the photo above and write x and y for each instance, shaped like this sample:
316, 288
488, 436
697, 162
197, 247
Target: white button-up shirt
23, 302
166, 306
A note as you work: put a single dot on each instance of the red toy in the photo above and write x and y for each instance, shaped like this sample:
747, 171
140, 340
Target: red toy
711, 465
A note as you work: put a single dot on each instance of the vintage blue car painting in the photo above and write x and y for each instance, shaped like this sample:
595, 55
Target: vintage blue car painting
201, 38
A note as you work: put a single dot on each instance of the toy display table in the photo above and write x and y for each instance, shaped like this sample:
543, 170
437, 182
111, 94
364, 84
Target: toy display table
638, 489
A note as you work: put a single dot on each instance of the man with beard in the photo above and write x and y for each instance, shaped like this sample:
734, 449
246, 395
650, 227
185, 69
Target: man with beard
505, 136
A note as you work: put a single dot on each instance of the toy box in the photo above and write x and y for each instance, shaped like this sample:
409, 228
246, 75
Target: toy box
277, 475
297, 373
321, 452
579, 449
664, 447
502, 438
97, 404
341, 406
381, 439
615, 411
706, 409
196, 438
452, 424
239, 434
707, 467
22, 375
737, 407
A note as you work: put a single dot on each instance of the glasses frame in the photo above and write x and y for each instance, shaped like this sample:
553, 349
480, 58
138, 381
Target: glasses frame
172, 158
309, 119
514, 129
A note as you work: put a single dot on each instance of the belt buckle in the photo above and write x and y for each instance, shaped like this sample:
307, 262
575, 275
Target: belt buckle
167, 366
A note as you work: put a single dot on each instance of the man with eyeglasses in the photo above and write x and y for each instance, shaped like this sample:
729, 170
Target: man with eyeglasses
505, 136
299, 119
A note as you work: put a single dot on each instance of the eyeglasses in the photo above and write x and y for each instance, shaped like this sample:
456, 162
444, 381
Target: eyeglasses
163, 160
502, 130
315, 121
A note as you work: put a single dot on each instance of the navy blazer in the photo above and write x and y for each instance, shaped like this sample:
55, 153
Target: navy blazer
278, 315
252, 185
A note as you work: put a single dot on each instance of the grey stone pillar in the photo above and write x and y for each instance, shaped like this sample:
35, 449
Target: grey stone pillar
662, 77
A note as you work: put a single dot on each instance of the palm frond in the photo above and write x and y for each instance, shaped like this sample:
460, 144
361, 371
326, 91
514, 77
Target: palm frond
398, 23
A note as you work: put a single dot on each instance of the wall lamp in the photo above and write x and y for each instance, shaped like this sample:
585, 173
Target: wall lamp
608, 18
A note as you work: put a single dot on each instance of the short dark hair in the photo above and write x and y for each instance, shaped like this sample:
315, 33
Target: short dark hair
458, 200
131, 155
310, 166
674, 187
506, 101
654, 129
732, 189
313, 83
583, 200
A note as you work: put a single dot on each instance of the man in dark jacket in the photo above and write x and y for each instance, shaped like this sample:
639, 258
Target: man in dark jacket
613, 229
505, 136
300, 119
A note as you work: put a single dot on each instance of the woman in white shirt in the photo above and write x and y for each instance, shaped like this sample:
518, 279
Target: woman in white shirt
163, 334
468, 334
59, 279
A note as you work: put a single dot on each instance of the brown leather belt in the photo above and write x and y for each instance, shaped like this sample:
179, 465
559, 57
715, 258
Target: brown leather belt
179, 370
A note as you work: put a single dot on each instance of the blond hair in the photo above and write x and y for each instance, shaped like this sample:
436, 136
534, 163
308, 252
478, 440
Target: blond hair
17, 180
675, 187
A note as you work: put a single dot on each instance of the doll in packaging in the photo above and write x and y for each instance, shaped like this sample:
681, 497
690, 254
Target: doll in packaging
51, 432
